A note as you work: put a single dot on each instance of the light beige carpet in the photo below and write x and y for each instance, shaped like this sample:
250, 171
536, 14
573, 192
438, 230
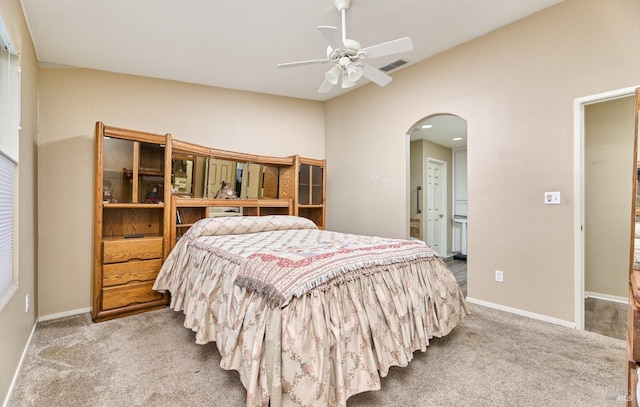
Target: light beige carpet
492, 359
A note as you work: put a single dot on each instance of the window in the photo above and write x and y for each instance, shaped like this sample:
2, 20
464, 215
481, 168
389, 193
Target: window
7, 278
9, 142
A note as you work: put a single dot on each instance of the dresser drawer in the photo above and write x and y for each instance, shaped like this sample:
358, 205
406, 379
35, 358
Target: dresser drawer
123, 273
123, 295
120, 250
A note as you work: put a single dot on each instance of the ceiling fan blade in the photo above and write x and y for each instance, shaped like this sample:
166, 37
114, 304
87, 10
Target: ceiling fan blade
332, 36
375, 75
301, 63
387, 48
325, 87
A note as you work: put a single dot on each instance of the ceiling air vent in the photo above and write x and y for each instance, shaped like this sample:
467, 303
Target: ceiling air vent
393, 65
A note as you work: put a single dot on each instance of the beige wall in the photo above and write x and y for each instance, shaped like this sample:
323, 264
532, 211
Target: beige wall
515, 87
72, 100
16, 324
609, 163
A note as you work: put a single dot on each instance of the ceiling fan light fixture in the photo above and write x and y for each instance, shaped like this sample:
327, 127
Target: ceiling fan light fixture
354, 72
346, 82
348, 56
332, 75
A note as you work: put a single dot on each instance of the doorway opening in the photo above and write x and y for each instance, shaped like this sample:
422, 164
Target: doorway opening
437, 161
601, 140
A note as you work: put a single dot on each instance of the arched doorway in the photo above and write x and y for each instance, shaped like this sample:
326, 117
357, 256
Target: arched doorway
438, 187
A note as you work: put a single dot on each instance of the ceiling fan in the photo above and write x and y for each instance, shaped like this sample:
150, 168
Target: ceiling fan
348, 56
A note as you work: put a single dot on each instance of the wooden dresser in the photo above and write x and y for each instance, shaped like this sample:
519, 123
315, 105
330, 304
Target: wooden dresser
130, 233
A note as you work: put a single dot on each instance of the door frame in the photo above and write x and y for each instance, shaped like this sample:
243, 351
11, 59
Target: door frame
579, 192
444, 235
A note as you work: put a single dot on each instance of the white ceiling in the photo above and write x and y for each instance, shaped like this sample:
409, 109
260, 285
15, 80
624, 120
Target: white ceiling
445, 129
237, 44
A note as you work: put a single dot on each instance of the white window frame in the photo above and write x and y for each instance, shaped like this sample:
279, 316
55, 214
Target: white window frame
9, 151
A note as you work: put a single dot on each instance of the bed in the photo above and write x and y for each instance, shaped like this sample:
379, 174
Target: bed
307, 316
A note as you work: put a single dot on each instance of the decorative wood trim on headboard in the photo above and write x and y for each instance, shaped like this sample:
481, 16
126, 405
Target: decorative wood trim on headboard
190, 148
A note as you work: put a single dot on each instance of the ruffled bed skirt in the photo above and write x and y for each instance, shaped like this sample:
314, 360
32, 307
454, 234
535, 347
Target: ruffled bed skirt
325, 346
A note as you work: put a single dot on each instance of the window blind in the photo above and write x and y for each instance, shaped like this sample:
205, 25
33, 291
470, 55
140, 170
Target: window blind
7, 176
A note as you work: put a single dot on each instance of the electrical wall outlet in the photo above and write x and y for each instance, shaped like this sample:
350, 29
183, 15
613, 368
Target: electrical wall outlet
26, 303
500, 276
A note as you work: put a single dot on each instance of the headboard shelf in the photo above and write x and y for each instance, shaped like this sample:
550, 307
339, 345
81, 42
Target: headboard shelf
261, 202
186, 211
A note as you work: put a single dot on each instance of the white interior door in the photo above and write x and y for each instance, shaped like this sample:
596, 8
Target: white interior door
220, 170
437, 205
251, 177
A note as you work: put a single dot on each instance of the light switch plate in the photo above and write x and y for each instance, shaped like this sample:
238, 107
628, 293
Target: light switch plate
552, 198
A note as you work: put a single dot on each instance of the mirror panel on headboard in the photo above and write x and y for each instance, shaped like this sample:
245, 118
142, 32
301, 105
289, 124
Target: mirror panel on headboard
188, 174
221, 170
199, 172
248, 180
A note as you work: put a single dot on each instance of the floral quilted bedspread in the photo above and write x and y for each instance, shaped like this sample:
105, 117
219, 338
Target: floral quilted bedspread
325, 335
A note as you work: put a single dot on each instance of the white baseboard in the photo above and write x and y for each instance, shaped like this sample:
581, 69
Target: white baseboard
606, 297
64, 314
17, 372
523, 313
